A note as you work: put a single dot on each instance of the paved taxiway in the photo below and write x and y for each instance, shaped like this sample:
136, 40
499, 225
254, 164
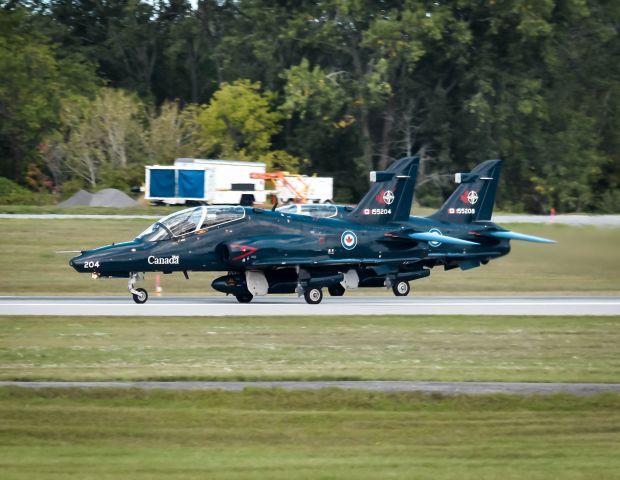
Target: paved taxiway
445, 388
291, 305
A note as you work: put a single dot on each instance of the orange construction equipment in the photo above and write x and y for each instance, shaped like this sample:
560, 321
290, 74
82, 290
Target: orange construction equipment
281, 182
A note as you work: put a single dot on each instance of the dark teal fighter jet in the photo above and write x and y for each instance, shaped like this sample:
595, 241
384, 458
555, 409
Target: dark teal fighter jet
376, 244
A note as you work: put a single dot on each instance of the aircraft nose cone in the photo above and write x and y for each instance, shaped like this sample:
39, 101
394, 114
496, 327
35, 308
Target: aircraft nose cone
77, 263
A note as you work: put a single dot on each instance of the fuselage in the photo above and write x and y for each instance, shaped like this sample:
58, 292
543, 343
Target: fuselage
375, 244
262, 239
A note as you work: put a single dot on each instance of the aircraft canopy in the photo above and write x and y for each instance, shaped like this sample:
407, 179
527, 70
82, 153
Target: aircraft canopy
316, 210
190, 220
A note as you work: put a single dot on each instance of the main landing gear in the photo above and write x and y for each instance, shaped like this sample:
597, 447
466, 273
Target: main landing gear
140, 295
244, 297
401, 288
336, 290
313, 295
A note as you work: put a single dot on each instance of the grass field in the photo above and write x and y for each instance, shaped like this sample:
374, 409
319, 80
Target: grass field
305, 435
584, 262
328, 434
539, 349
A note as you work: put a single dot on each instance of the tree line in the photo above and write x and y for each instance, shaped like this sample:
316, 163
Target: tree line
91, 91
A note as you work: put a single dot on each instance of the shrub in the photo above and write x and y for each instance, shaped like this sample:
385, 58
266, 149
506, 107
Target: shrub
13, 194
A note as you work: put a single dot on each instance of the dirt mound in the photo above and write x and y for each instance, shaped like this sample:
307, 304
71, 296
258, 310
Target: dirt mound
108, 197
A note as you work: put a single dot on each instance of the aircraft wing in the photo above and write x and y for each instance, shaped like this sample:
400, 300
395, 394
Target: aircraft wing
429, 237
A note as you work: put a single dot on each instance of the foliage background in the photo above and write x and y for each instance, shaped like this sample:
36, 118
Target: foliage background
90, 91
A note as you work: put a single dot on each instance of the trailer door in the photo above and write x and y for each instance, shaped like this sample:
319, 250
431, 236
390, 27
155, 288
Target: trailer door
161, 183
192, 184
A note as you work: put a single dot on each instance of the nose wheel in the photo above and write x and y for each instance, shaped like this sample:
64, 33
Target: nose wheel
140, 296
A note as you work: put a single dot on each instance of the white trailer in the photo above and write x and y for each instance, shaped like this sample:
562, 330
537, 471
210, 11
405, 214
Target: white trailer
224, 182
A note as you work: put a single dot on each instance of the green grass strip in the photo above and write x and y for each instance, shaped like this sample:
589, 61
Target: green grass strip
274, 434
443, 348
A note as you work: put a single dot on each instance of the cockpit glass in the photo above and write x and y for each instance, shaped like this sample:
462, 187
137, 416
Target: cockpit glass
319, 211
155, 233
189, 220
218, 215
312, 209
185, 221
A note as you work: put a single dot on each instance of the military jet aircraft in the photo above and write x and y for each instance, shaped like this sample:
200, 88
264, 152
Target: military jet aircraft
376, 244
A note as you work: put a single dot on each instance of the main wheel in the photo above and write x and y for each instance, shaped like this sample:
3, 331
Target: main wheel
244, 297
140, 297
401, 289
313, 296
336, 290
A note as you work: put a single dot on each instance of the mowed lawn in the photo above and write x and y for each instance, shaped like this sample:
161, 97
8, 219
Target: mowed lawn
537, 349
327, 434
584, 262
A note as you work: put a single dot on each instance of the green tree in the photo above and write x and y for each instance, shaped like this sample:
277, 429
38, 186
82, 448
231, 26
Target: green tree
359, 83
173, 133
239, 121
34, 80
100, 140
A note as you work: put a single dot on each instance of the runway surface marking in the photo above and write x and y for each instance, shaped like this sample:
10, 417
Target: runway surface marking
446, 388
292, 306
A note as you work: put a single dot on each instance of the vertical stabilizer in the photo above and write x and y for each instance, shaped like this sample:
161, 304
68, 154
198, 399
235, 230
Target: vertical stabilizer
391, 194
474, 198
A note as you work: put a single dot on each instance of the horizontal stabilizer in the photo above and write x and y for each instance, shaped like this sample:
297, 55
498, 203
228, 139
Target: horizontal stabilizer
435, 237
518, 236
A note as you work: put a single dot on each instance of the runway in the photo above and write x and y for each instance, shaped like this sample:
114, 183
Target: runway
292, 306
444, 388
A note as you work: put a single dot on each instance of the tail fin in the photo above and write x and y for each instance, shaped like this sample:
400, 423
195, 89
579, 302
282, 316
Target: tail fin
474, 198
389, 198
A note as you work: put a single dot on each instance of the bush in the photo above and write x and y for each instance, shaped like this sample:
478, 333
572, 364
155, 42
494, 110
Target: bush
13, 194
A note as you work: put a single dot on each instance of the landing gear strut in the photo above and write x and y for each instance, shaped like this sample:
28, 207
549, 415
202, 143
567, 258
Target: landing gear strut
401, 288
140, 295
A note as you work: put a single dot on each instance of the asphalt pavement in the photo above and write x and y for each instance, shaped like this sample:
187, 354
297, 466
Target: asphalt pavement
291, 305
444, 388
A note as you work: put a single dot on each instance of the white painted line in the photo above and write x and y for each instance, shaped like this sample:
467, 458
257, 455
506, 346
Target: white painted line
331, 305
215, 306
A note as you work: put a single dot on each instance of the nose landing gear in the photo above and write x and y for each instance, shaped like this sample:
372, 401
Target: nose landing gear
140, 295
